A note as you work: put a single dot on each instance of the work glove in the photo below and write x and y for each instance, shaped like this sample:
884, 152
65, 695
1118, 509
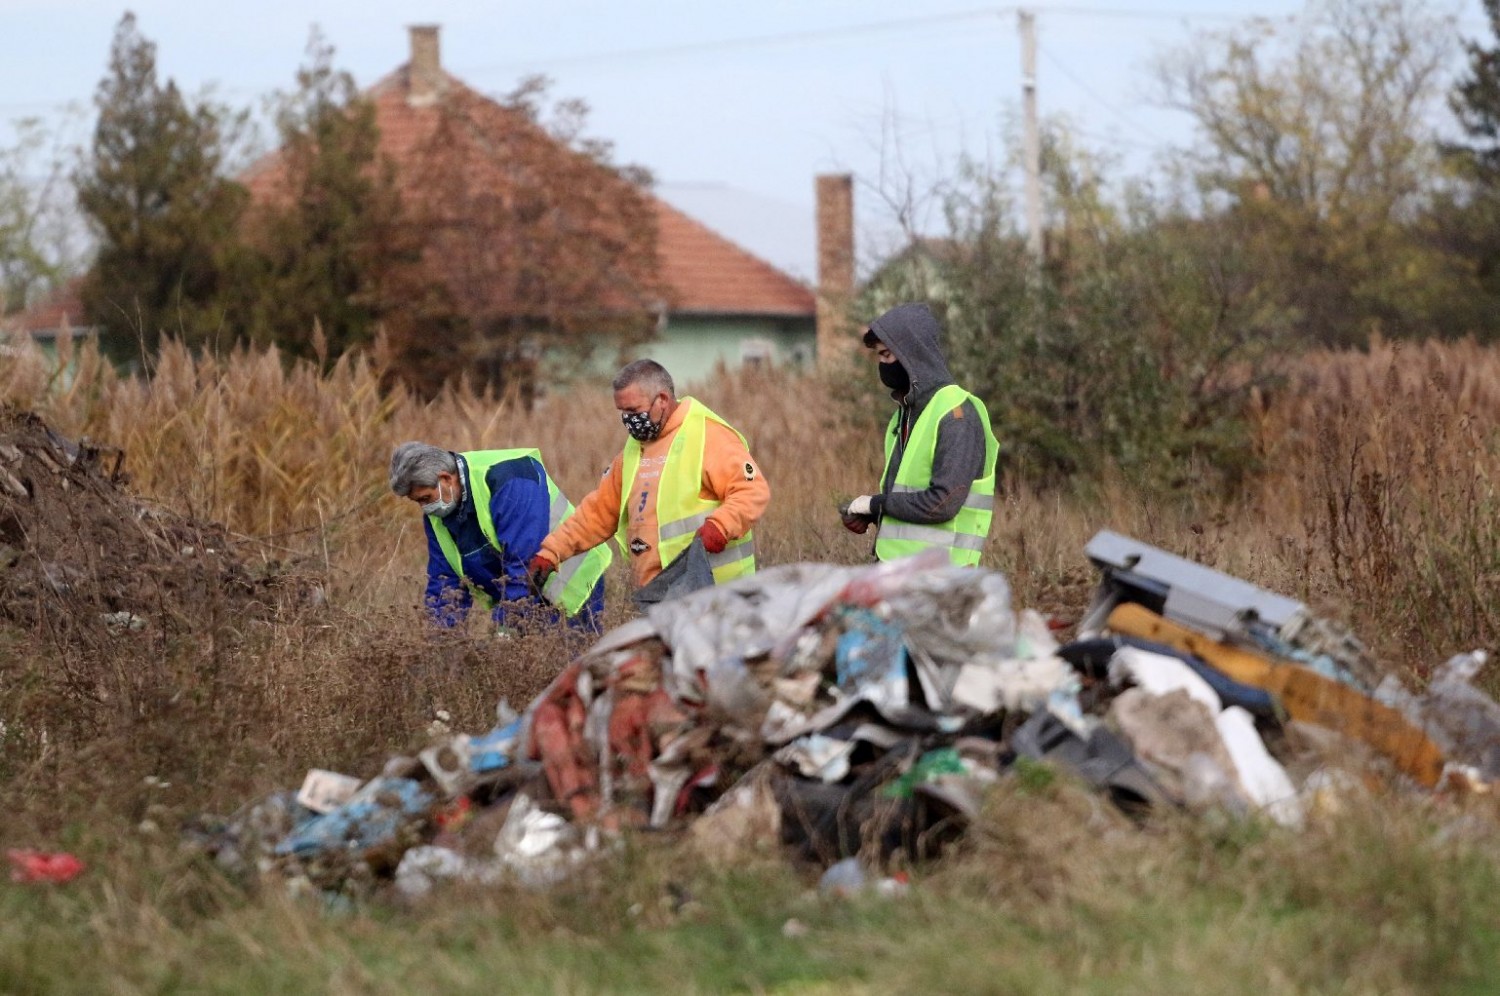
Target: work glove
540, 568
713, 537
858, 514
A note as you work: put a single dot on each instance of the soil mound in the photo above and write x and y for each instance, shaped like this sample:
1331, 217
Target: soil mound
77, 548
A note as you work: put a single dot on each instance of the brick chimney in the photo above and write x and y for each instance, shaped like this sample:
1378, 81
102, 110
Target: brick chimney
835, 198
425, 81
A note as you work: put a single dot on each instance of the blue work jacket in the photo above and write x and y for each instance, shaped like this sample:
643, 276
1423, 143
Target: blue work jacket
519, 506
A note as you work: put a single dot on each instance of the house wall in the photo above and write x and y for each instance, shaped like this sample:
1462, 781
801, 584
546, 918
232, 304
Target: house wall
692, 345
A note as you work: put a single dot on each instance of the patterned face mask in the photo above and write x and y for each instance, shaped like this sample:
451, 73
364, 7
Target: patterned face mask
440, 506
640, 426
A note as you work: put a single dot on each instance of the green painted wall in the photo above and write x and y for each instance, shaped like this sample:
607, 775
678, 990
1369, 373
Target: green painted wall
692, 345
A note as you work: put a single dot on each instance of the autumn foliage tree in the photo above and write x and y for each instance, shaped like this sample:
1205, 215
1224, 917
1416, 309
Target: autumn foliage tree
38, 244
545, 250
1474, 214
165, 214
336, 258
1317, 143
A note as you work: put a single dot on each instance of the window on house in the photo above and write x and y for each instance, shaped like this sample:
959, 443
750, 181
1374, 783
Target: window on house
757, 352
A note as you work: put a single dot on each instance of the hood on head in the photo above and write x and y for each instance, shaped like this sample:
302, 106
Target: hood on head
911, 332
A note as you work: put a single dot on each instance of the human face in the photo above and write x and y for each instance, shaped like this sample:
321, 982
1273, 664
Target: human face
882, 352
445, 490
643, 415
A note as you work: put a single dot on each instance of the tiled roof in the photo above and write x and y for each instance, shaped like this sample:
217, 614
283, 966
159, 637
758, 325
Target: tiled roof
711, 275
704, 272
51, 313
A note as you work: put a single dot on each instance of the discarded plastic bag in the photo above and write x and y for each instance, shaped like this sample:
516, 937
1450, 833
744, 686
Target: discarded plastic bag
40, 866
689, 572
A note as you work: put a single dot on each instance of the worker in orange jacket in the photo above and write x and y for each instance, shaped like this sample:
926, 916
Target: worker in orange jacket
684, 472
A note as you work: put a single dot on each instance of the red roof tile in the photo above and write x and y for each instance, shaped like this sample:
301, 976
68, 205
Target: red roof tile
703, 272
51, 313
711, 275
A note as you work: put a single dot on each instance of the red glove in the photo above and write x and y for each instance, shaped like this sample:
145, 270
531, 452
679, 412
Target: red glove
713, 537
540, 568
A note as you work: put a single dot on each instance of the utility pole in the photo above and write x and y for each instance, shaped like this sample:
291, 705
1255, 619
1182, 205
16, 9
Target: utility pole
1031, 140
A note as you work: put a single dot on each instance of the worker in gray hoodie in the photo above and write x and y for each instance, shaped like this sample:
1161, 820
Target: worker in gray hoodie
938, 488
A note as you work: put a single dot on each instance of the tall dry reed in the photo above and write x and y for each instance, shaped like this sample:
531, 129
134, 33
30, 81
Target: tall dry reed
1383, 465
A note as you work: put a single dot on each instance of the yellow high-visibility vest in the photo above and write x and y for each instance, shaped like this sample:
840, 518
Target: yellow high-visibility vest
963, 535
680, 511
573, 582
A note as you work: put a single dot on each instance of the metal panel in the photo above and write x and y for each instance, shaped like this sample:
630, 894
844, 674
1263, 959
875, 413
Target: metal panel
1197, 596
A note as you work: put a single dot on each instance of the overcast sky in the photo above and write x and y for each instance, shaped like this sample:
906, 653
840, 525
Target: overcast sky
734, 107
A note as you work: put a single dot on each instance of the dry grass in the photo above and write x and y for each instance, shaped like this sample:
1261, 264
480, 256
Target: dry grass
1377, 506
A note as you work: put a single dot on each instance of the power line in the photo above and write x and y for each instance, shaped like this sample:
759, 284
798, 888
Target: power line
758, 41
1141, 13
778, 39
1100, 98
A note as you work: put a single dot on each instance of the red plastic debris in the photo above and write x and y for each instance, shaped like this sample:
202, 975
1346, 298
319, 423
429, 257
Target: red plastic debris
39, 866
455, 814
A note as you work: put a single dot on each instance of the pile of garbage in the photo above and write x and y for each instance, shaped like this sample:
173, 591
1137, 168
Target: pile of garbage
77, 550
826, 712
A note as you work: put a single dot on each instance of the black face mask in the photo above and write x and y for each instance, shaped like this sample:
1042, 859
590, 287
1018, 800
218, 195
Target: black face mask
895, 377
640, 426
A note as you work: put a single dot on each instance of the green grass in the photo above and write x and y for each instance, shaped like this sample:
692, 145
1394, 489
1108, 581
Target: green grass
1053, 892
1393, 897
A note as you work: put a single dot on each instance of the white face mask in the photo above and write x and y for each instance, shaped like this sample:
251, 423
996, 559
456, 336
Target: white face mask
440, 506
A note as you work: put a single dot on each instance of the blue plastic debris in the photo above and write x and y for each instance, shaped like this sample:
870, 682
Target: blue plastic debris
871, 651
372, 818
494, 750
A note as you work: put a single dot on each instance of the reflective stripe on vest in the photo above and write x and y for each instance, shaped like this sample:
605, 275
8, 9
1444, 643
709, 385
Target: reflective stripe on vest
985, 503
573, 582
680, 509
963, 535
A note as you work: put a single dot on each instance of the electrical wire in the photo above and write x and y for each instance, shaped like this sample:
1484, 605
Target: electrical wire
1097, 96
756, 41
838, 33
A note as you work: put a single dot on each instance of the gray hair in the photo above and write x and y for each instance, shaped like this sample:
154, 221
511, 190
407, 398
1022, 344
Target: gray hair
648, 375
417, 465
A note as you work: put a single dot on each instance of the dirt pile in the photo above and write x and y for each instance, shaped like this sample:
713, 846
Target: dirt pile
78, 551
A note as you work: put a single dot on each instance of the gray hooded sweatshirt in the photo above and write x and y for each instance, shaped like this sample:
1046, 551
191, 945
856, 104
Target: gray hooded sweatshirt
911, 332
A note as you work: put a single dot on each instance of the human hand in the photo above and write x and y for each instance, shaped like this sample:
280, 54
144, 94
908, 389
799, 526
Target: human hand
857, 514
540, 568
713, 537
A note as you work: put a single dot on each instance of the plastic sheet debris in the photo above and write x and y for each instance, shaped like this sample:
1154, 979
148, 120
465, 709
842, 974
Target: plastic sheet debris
843, 878
324, 791
424, 866
372, 821
538, 847
743, 823
1176, 737
845, 716
1102, 759
817, 756
1461, 719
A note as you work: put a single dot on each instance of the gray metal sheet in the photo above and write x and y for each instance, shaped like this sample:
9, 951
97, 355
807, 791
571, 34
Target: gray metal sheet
1197, 596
